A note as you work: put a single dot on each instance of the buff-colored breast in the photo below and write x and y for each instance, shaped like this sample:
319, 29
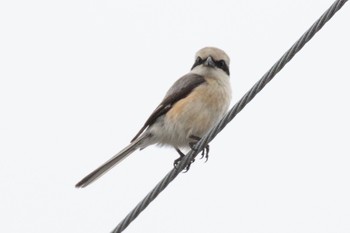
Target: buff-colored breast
201, 109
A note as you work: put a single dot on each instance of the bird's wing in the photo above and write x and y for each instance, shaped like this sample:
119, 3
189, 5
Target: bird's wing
179, 90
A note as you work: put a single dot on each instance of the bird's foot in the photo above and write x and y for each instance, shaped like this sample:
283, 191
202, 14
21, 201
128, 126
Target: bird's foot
178, 160
205, 151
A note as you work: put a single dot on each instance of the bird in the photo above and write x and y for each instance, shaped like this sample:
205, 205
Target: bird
192, 106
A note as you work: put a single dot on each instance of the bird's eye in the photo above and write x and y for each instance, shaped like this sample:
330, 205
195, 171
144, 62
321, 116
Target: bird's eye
198, 62
221, 64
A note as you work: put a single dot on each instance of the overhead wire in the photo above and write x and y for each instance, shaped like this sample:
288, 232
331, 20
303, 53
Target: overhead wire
267, 77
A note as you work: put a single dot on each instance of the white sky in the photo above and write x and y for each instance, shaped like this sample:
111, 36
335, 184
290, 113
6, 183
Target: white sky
78, 79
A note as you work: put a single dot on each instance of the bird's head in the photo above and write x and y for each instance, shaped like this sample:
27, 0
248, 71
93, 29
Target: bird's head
212, 58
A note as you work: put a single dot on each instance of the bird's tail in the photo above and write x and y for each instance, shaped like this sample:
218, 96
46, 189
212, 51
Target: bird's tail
97, 173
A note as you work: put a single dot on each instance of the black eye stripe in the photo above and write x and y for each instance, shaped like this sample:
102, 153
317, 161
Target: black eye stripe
198, 62
221, 64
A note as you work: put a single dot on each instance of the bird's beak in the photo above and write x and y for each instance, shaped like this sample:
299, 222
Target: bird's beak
209, 62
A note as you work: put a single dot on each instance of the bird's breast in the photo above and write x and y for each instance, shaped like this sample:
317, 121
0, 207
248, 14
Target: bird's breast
197, 113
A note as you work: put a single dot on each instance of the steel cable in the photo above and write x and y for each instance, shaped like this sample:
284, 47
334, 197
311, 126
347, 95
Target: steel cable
231, 114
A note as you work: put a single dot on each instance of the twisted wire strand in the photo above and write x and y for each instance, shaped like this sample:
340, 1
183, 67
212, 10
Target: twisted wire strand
231, 114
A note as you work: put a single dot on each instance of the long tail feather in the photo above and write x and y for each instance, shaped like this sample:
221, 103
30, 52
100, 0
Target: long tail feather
97, 173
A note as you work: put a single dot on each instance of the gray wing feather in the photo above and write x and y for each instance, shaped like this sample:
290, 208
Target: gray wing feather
179, 90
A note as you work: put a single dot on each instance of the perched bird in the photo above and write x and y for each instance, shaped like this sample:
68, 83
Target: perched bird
190, 108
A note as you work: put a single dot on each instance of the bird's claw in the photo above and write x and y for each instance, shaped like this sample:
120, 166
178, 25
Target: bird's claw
178, 160
205, 151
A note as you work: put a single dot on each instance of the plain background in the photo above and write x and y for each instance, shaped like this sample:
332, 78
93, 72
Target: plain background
78, 79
